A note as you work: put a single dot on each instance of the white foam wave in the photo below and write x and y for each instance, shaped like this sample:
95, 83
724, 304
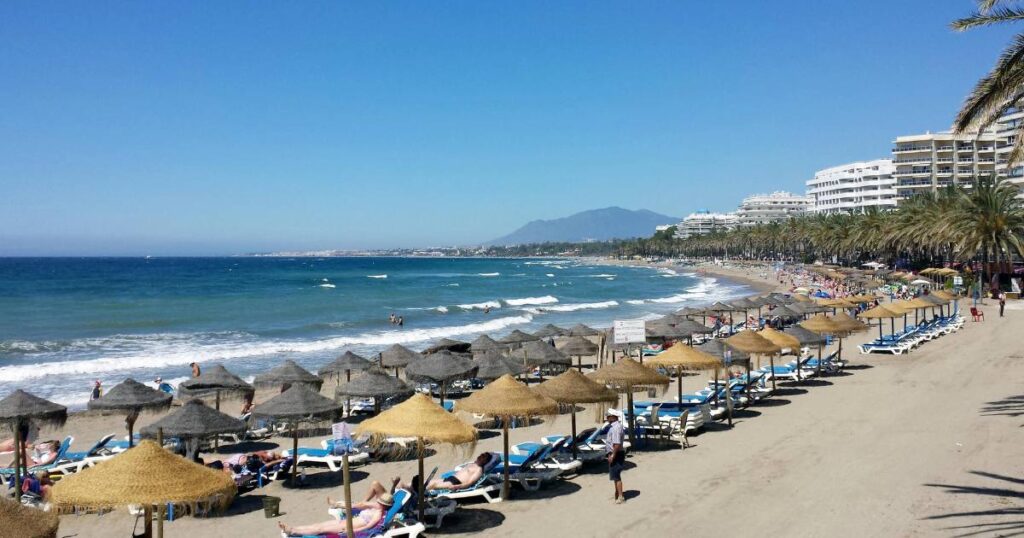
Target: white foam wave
328, 286
376, 276
525, 301
480, 306
453, 285
636, 301
180, 352
442, 309
550, 275
573, 307
679, 298
488, 274
602, 275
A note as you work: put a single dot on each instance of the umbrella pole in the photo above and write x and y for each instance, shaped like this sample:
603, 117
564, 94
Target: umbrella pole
506, 463
419, 494
148, 525
18, 451
130, 422
160, 507
728, 401
349, 531
573, 430
632, 416
679, 384
295, 451
216, 440
771, 362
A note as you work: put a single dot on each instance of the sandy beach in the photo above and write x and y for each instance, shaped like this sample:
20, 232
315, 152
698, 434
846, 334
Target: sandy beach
925, 444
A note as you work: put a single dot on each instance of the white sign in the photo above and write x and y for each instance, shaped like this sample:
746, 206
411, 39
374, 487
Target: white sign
958, 281
630, 331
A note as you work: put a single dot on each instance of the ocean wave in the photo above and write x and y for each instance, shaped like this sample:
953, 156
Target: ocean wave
526, 301
602, 275
480, 306
377, 276
488, 274
328, 285
442, 309
572, 307
679, 298
182, 352
636, 301
550, 275
453, 285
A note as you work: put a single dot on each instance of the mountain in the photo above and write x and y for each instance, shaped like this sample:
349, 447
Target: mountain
593, 225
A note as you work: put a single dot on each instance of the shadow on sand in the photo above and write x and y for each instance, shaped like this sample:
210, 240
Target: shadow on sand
1002, 521
469, 521
1011, 406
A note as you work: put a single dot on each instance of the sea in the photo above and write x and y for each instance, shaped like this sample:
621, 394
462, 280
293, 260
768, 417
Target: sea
65, 322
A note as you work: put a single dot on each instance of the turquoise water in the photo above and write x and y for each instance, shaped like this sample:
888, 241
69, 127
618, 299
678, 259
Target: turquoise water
66, 322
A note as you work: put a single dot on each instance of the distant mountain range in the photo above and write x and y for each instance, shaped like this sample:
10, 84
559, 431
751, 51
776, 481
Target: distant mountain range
593, 225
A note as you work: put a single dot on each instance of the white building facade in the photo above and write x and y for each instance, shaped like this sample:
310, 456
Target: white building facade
764, 208
928, 162
853, 187
705, 222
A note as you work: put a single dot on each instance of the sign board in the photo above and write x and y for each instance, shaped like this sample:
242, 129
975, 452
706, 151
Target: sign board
630, 331
958, 281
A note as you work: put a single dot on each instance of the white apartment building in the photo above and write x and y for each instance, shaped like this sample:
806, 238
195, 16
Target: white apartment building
705, 222
853, 187
765, 208
1007, 129
927, 162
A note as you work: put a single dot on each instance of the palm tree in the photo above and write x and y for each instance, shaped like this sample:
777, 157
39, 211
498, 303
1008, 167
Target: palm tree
1002, 88
990, 220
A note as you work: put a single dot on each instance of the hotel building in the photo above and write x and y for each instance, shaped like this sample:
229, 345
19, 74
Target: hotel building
765, 208
705, 222
927, 162
853, 187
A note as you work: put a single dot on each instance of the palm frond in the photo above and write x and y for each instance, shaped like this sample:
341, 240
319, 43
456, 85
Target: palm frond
995, 92
988, 17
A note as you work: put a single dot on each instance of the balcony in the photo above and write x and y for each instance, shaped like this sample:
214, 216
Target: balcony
908, 149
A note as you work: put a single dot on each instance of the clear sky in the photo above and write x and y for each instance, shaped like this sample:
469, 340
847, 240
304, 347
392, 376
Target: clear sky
227, 127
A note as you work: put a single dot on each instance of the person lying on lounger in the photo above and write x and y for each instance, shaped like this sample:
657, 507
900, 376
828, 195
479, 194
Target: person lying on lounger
464, 477
42, 454
365, 519
372, 496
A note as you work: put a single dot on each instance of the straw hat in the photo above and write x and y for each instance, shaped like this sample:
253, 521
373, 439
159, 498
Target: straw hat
684, 358
821, 324
419, 417
572, 387
752, 342
506, 397
627, 373
147, 475
24, 522
780, 339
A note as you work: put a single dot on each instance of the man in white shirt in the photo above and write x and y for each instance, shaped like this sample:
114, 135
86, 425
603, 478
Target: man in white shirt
616, 454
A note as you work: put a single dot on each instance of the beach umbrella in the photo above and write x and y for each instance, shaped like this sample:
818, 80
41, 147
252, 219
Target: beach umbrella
147, 475
932, 301
447, 344
578, 346
785, 312
216, 380
780, 338
664, 328
504, 399
346, 362
806, 338
398, 356
131, 397
21, 521
689, 311
582, 330
848, 325
374, 383
517, 338
626, 376
718, 349
483, 343
753, 343
423, 419
441, 368
287, 374
17, 410
550, 331
298, 403
571, 387
191, 422
880, 312
684, 358
822, 325
541, 355
492, 365
694, 327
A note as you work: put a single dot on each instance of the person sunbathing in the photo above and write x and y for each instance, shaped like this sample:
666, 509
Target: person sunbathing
372, 496
366, 519
42, 454
463, 478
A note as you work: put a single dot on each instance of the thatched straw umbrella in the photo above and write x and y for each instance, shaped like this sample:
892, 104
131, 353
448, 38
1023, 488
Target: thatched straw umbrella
374, 383
447, 344
541, 355
504, 399
492, 365
571, 387
192, 422
289, 373
550, 331
131, 397
881, 312
299, 404
753, 343
423, 419
346, 362
782, 340
441, 368
578, 346
517, 338
848, 326
684, 359
24, 522
689, 311
398, 356
784, 311
666, 329
483, 344
582, 330
626, 376
216, 380
17, 410
822, 325
806, 338
146, 475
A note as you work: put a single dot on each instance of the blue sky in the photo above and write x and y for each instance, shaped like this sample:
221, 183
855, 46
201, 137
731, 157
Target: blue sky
227, 127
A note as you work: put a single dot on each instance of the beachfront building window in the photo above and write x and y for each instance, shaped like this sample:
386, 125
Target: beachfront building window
1007, 129
704, 222
853, 187
927, 162
766, 208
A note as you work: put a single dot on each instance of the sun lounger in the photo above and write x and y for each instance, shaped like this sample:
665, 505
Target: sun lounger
488, 486
554, 455
390, 526
72, 462
527, 472
333, 461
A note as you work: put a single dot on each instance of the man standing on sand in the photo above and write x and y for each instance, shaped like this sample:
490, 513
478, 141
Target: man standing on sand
616, 454
1002, 302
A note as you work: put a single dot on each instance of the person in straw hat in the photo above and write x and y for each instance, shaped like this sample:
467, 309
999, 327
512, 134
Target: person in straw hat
616, 454
365, 519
